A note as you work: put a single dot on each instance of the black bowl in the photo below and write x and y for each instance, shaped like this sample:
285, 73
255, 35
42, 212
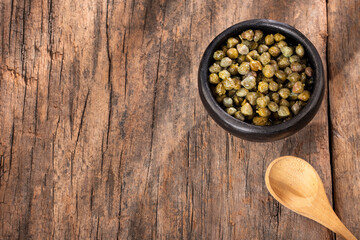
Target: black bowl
262, 133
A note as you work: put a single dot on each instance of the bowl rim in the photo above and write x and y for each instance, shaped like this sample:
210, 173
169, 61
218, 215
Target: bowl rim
246, 130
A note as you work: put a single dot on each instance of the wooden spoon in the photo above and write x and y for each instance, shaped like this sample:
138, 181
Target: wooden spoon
296, 185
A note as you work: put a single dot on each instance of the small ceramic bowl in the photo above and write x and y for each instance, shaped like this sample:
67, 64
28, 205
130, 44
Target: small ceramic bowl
249, 131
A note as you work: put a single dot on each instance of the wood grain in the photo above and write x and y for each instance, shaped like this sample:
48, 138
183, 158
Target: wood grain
344, 58
103, 135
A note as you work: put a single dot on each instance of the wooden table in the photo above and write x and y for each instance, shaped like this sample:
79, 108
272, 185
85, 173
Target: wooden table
103, 134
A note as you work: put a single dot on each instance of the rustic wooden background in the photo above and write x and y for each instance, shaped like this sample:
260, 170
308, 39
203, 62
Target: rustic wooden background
103, 134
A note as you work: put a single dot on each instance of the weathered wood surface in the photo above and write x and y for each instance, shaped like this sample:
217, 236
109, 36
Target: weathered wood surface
344, 75
103, 135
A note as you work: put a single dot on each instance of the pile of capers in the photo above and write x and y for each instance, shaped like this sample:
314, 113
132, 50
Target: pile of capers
261, 79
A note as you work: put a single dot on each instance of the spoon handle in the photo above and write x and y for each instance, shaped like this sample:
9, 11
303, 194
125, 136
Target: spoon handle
340, 228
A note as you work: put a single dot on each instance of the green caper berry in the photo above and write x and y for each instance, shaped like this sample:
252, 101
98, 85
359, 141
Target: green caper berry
223, 74
263, 87
284, 93
242, 49
231, 42
214, 78
308, 71
260, 121
242, 92
215, 68
298, 87
244, 68
293, 77
258, 35
228, 83
296, 67
273, 86
281, 44
239, 116
300, 50
268, 71
304, 96
284, 62
265, 58
220, 90
275, 97
247, 110
249, 82
296, 107
273, 106
252, 97
287, 51
294, 58
225, 62
231, 110
274, 51
262, 102
219, 99
233, 69
284, 102
279, 37
262, 48
283, 111
227, 102
269, 39
248, 35
232, 53
263, 112
218, 55
287, 70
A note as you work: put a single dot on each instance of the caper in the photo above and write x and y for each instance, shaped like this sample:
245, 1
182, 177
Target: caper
237, 83
228, 83
274, 51
284, 93
263, 87
254, 46
274, 64
308, 71
298, 87
258, 35
273, 86
284, 102
231, 42
218, 55
304, 96
262, 102
296, 107
283, 111
233, 69
265, 58
252, 97
241, 59
273, 106
255, 65
279, 37
237, 100
280, 75
232, 53
231, 110
214, 78
242, 92
263, 112
219, 99
294, 58
225, 62
293, 96
248, 35
260, 121
215, 68
249, 82
242, 49
300, 50
223, 74
231, 93
296, 67
262, 48
239, 116
247, 110
220, 90
228, 102
293, 77
287, 51
287, 70
253, 55
244, 68
281, 44
268, 71
283, 62
269, 39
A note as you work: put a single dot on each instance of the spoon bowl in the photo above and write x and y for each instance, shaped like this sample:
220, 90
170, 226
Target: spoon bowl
295, 184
